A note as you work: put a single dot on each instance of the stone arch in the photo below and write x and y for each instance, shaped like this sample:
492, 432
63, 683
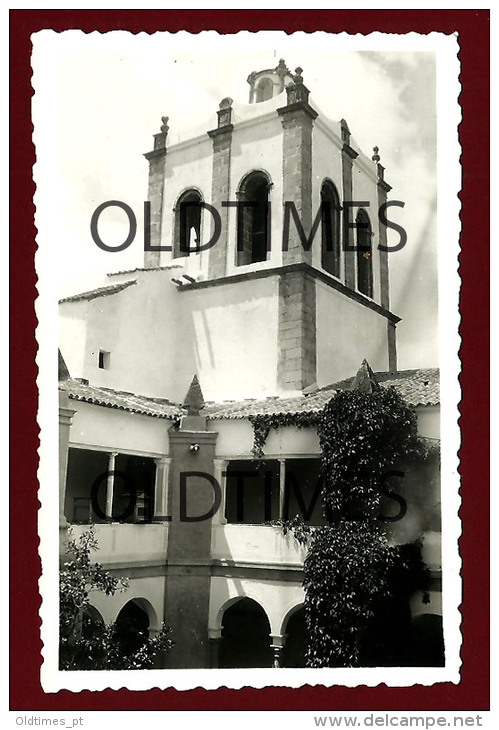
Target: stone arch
187, 189
293, 628
253, 222
145, 605
243, 182
364, 253
93, 621
294, 608
133, 624
187, 221
330, 228
245, 636
234, 599
93, 613
264, 89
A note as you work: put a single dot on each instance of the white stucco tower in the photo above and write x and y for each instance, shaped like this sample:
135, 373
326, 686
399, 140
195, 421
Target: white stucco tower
266, 273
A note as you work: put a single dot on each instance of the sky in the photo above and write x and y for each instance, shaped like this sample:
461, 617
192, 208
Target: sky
99, 98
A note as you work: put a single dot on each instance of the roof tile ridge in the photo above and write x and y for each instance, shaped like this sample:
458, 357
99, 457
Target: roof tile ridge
99, 291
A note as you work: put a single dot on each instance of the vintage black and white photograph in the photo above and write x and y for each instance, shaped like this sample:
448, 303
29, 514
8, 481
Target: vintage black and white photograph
248, 358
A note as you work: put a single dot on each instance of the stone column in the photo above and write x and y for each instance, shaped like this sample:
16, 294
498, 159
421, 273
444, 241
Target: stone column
110, 485
191, 502
157, 160
215, 639
277, 646
282, 487
383, 190
348, 155
392, 346
296, 367
297, 119
296, 330
65, 419
220, 187
161, 489
220, 469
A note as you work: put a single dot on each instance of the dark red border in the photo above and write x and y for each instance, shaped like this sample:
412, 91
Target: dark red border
473, 691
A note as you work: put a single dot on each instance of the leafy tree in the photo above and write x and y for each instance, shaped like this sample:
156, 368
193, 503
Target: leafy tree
84, 642
352, 573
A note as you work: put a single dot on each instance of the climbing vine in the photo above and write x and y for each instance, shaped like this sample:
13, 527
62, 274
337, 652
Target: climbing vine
352, 573
362, 437
85, 643
262, 424
296, 526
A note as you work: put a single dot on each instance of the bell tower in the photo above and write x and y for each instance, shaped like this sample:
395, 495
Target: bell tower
269, 216
264, 85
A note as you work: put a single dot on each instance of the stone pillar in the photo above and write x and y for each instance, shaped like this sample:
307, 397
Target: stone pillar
215, 639
156, 159
65, 419
220, 469
110, 485
282, 487
392, 346
383, 190
296, 330
348, 155
161, 489
296, 367
191, 496
277, 646
297, 119
220, 187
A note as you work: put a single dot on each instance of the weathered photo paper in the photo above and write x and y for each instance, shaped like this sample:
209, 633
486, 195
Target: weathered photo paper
248, 359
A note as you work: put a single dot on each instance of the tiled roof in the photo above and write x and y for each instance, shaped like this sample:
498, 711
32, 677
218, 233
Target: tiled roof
417, 387
148, 268
102, 291
266, 406
156, 407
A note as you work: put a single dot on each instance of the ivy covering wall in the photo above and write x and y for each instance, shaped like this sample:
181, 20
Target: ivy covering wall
354, 579
357, 584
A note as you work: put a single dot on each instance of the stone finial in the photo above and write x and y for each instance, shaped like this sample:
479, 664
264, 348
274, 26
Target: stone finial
298, 78
380, 170
160, 137
345, 132
296, 91
281, 67
225, 112
194, 400
365, 380
63, 371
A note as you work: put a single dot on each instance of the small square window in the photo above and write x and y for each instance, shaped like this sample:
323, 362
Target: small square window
104, 360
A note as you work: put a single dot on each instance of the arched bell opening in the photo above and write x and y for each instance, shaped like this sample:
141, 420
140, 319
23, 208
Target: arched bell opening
253, 219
